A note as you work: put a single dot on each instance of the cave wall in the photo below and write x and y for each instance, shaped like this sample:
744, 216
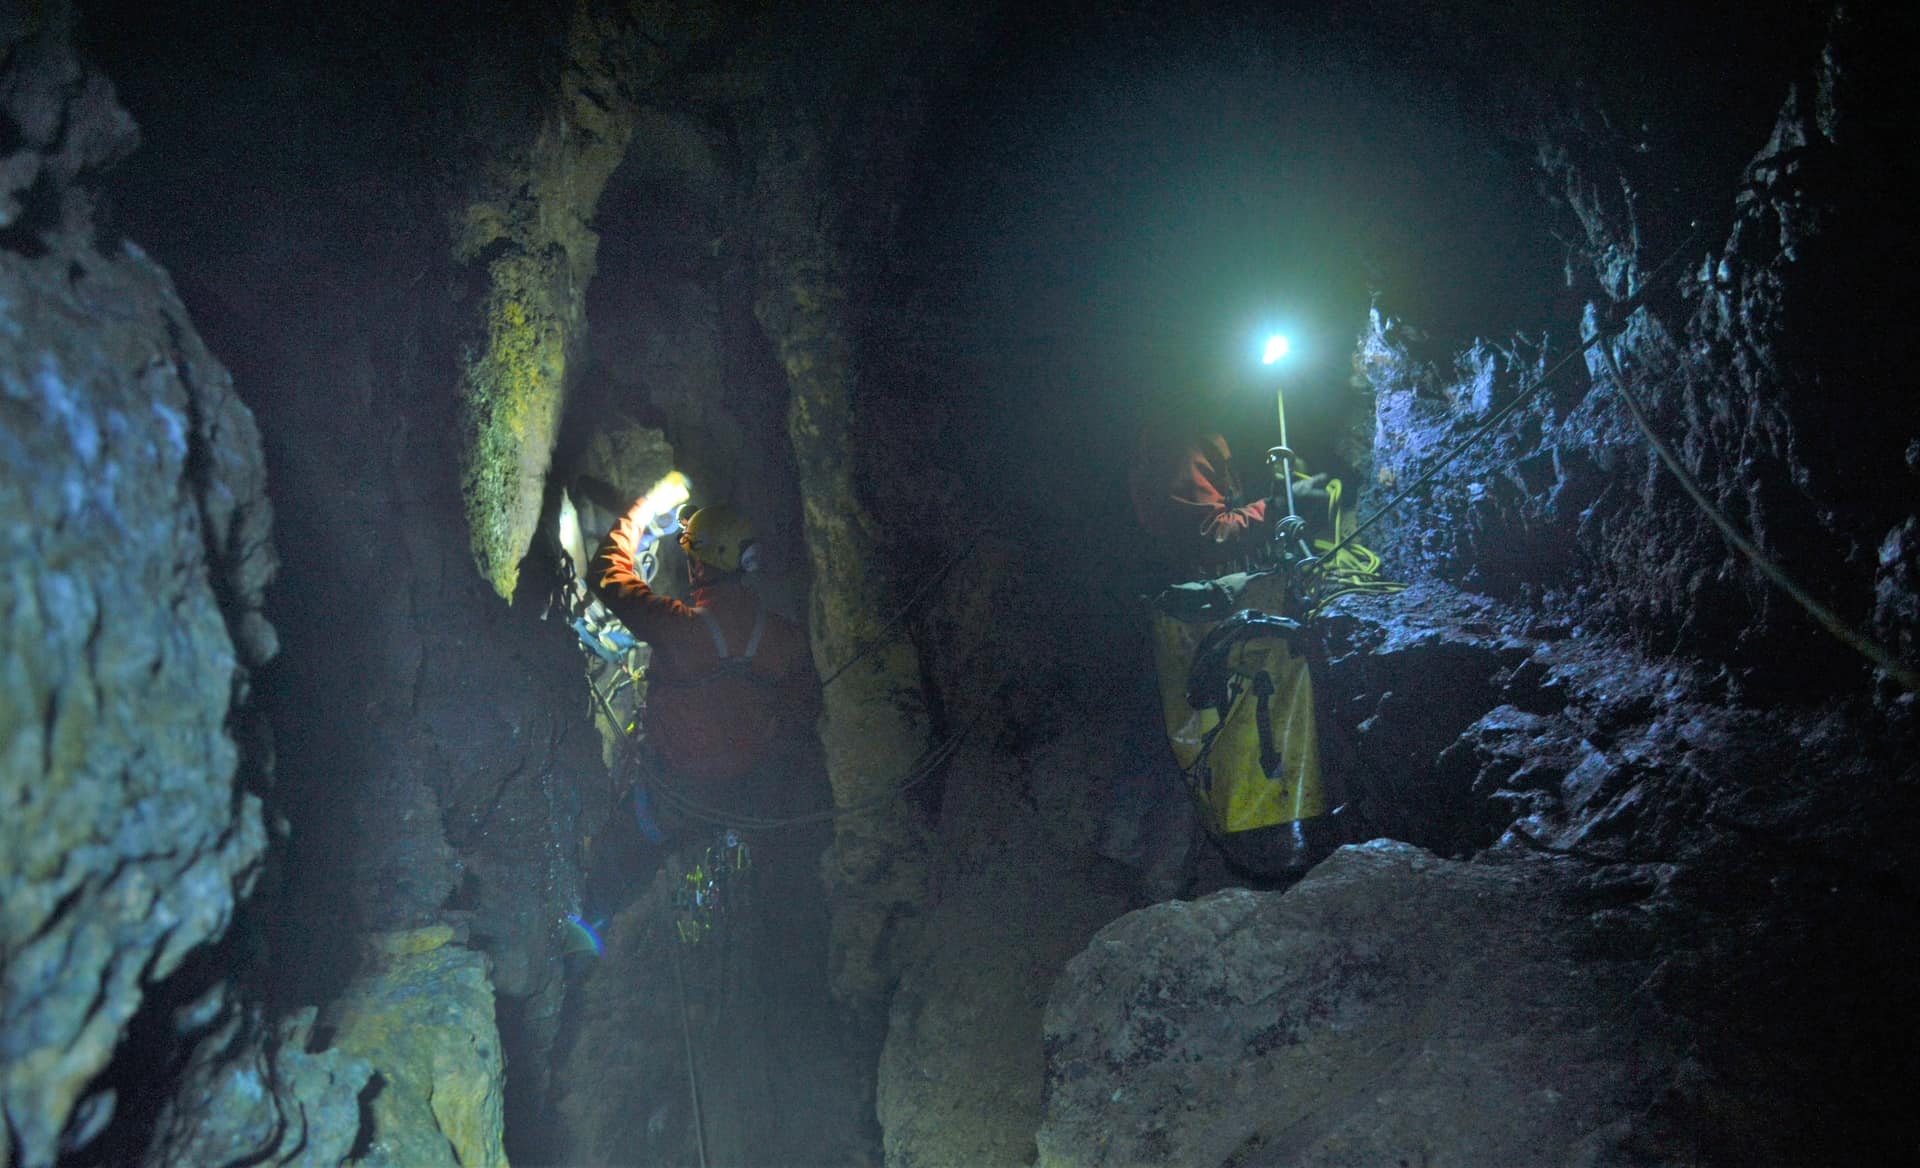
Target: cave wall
138, 549
439, 766
808, 122
438, 770
530, 234
1762, 353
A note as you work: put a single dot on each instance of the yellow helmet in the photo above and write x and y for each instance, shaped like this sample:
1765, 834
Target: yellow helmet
717, 536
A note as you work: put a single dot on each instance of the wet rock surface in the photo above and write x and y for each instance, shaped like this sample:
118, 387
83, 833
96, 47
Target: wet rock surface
136, 549
1741, 353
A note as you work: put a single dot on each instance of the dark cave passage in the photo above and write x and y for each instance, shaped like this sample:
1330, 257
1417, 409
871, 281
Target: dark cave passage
354, 816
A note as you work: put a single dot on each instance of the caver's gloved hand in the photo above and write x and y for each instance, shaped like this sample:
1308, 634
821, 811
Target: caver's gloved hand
1313, 488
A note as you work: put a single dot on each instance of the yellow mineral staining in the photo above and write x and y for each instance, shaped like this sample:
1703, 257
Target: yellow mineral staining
421, 1014
409, 942
515, 381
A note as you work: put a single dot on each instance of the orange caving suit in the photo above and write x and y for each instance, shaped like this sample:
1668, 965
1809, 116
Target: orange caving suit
1183, 487
711, 718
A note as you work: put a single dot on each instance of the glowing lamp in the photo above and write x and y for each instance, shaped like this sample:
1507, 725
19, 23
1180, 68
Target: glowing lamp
659, 510
1276, 348
665, 497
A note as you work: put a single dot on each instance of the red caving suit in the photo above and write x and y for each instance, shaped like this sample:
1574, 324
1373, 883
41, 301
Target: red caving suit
712, 718
1183, 485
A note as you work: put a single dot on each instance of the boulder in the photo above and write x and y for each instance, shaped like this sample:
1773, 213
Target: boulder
255, 1095
1392, 1008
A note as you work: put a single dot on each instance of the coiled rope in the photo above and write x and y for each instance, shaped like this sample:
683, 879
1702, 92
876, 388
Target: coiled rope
1342, 567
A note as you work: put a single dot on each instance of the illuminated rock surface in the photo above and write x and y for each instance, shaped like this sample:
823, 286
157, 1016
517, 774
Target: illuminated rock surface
249, 1097
895, 281
134, 534
421, 1015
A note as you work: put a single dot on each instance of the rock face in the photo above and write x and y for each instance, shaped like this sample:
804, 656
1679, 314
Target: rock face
780, 1080
1687, 865
961, 1069
252, 1097
530, 236
1758, 354
134, 533
421, 1015
1392, 1008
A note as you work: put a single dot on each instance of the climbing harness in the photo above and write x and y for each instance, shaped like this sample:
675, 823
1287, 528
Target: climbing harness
610, 650
710, 886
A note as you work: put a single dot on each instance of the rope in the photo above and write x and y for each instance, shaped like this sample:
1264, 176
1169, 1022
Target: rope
1828, 619
1342, 567
693, 1075
880, 638
1627, 308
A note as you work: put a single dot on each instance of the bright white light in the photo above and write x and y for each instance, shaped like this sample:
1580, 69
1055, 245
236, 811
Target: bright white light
663, 499
1276, 348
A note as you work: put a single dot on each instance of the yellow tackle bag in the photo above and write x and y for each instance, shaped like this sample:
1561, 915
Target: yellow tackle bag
1237, 698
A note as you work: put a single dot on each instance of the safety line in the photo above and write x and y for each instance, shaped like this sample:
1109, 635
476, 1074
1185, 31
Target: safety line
882, 637
1625, 310
693, 1075
1828, 619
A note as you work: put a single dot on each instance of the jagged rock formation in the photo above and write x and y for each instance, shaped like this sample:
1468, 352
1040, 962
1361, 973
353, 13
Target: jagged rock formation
531, 237
250, 1096
1761, 359
745, 202
1664, 825
135, 527
438, 762
1650, 814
